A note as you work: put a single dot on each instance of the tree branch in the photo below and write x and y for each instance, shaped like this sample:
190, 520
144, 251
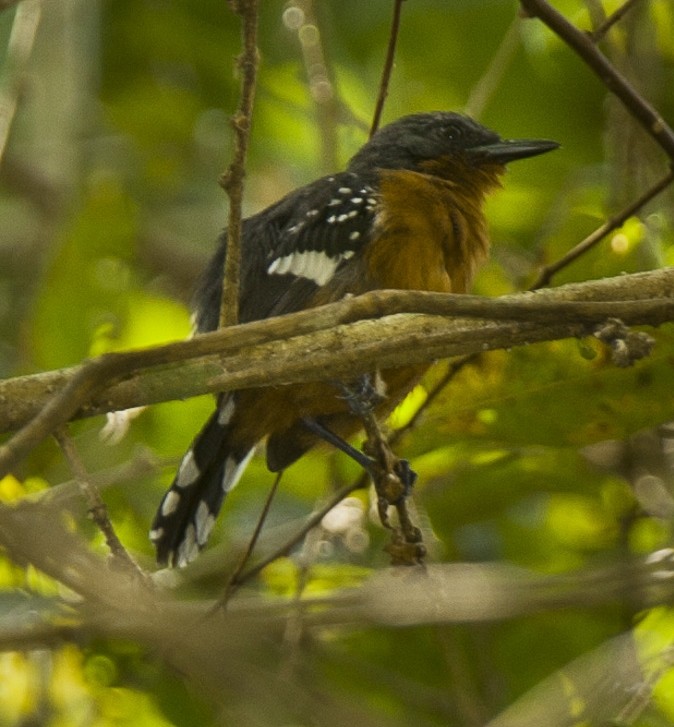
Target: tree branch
581, 42
615, 17
617, 221
19, 49
232, 180
388, 65
338, 341
97, 508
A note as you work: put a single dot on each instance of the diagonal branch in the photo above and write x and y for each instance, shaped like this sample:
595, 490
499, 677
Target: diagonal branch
617, 221
581, 42
612, 19
98, 510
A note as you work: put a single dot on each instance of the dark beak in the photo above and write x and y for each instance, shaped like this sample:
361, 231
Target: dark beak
502, 152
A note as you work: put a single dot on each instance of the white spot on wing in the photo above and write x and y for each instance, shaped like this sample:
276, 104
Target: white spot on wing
156, 534
188, 471
311, 264
170, 503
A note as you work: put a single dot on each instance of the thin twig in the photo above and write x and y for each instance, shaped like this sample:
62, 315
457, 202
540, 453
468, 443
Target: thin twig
636, 104
598, 33
388, 65
235, 579
312, 521
97, 508
232, 180
485, 88
600, 233
19, 49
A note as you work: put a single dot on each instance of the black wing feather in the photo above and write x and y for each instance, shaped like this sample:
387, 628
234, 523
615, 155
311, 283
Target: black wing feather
332, 216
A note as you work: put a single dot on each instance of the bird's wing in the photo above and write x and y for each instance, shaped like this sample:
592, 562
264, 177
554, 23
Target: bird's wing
292, 248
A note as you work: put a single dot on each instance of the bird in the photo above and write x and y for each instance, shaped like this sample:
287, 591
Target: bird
407, 213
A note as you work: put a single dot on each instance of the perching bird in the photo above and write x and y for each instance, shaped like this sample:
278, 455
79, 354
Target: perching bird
407, 214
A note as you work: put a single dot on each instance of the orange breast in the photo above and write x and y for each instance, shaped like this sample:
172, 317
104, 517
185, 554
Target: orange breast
429, 235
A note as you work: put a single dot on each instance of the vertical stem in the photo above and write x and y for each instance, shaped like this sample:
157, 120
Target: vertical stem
388, 65
232, 180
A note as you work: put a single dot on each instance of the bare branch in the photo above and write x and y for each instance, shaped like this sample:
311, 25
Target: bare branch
97, 508
235, 580
612, 19
232, 180
485, 88
339, 341
580, 42
600, 233
311, 522
388, 65
19, 49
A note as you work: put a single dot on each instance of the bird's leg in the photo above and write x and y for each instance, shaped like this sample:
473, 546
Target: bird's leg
313, 425
393, 477
362, 396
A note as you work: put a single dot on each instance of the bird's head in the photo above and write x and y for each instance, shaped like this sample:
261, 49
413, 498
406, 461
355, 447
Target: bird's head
443, 144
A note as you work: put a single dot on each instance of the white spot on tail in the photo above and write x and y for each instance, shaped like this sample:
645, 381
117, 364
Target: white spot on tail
204, 522
310, 264
233, 471
188, 549
188, 471
170, 503
226, 412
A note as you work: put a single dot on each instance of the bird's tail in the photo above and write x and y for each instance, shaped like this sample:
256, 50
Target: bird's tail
210, 468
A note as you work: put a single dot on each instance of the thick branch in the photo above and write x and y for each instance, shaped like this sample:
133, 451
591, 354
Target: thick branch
338, 341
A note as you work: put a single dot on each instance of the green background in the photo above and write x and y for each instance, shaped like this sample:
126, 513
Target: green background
110, 207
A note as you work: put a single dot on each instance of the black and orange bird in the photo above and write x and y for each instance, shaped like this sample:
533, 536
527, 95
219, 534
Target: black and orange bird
406, 214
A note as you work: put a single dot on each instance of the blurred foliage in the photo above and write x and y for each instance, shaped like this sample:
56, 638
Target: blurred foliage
538, 457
